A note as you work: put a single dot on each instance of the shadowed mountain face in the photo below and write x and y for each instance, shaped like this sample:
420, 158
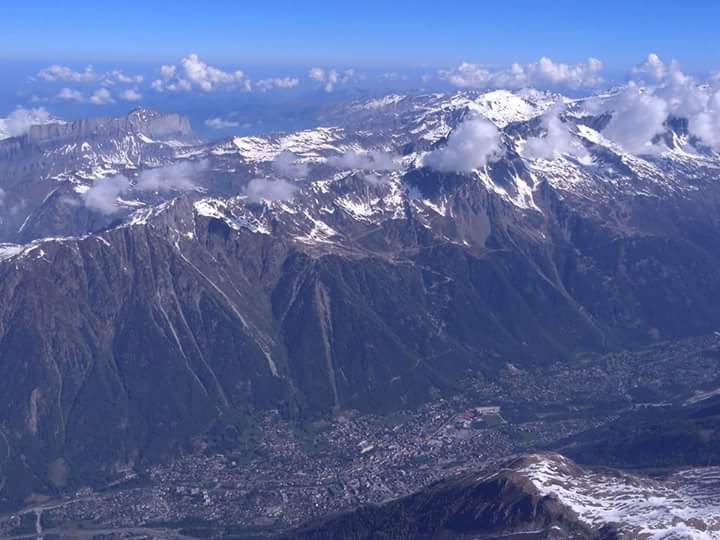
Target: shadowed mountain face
506, 506
544, 496
680, 435
125, 336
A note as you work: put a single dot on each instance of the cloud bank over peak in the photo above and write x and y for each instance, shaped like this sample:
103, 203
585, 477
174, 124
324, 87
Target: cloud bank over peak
639, 110
541, 74
470, 146
174, 177
103, 196
652, 68
706, 123
637, 117
287, 165
19, 121
263, 189
556, 141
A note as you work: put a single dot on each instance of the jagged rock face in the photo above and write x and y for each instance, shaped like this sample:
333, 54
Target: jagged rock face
151, 123
45, 171
541, 496
137, 332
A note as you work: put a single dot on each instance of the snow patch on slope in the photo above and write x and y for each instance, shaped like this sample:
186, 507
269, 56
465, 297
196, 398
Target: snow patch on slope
221, 210
308, 144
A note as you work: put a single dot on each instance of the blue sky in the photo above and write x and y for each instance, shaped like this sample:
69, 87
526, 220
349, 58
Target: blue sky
366, 33
297, 58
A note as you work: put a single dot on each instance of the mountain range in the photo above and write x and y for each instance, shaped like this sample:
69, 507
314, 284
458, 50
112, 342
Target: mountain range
155, 287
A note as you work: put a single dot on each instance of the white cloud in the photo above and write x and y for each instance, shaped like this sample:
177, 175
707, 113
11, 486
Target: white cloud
64, 73
317, 74
175, 177
585, 74
393, 76
71, 95
556, 141
706, 124
120, 77
332, 78
56, 73
208, 77
374, 160
220, 123
170, 81
181, 85
102, 196
131, 94
687, 98
101, 96
157, 85
470, 146
468, 75
640, 110
543, 73
652, 67
167, 72
2, 197
667, 78
284, 83
261, 189
195, 73
637, 117
286, 165
19, 121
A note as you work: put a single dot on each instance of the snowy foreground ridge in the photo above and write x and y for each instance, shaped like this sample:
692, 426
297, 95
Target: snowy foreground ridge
687, 505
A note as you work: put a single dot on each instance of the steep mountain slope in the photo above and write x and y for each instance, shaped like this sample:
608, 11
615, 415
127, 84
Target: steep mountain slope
365, 285
538, 496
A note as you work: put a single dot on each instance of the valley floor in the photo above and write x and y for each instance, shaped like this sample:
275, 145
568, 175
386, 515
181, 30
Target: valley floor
277, 474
